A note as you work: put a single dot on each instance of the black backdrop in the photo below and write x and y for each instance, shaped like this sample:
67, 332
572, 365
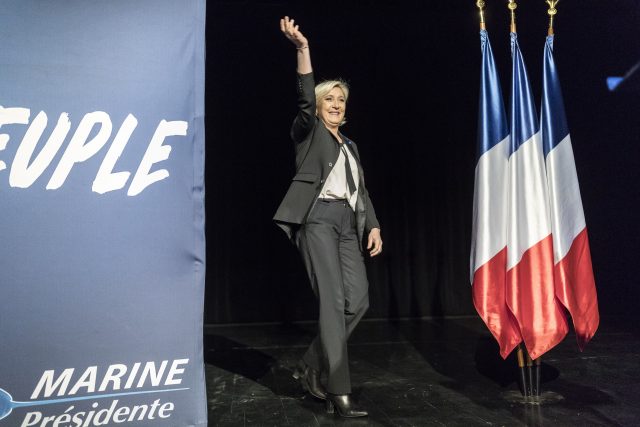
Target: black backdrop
414, 72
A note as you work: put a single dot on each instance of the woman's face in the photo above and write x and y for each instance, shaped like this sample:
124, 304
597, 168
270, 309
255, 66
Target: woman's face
331, 108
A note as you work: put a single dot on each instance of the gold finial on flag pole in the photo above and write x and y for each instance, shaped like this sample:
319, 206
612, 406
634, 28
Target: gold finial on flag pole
512, 7
480, 4
552, 12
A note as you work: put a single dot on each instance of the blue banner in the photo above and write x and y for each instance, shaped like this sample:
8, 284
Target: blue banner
102, 185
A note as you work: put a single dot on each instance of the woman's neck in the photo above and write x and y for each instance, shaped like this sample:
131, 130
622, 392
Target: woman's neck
334, 131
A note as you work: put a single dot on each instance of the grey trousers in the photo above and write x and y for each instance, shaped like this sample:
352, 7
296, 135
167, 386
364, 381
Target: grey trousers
330, 249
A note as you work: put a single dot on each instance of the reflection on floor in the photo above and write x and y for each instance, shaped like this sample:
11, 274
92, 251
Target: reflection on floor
434, 372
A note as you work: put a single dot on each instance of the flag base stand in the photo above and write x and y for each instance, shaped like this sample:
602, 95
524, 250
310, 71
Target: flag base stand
529, 380
545, 398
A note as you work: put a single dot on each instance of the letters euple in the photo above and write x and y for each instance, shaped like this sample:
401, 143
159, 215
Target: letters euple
92, 134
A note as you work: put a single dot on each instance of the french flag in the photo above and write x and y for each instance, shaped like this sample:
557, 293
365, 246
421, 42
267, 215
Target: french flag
573, 273
530, 286
490, 215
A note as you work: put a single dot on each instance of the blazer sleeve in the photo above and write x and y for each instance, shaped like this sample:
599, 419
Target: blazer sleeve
371, 221
306, 117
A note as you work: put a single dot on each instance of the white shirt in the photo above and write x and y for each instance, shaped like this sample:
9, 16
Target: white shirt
336, 186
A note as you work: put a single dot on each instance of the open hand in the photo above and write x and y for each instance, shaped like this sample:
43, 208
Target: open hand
292, 32
374, 244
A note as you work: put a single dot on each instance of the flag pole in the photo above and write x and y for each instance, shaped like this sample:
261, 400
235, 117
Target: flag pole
522, 365
524, 360
536, 364
534, 375
530, 375
552, 12
537, 372
480, 4
529, 369
512, 7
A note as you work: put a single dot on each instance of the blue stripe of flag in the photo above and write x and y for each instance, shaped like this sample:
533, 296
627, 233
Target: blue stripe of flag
553, 120
524, 123
492, 117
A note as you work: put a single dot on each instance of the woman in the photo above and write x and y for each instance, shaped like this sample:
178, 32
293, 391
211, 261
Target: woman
326, 212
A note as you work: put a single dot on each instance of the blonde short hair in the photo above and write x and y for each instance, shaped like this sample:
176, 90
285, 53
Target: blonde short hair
323, 88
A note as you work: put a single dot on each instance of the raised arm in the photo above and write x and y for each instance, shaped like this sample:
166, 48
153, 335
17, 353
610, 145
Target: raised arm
305, 119
292, 32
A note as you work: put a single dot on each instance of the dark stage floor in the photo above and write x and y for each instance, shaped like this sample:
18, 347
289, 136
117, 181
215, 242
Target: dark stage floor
437, 372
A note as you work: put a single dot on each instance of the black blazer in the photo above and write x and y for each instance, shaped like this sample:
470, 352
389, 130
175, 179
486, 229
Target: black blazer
316, 152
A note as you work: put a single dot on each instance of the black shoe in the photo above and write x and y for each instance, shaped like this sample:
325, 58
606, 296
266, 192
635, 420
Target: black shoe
310, 380
345, 405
